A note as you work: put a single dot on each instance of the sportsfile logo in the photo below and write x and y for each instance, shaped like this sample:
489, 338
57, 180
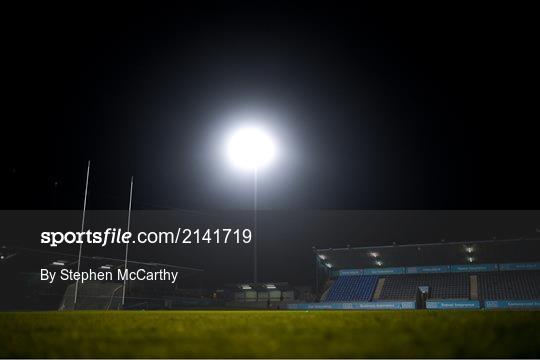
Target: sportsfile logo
111, 236
117, 236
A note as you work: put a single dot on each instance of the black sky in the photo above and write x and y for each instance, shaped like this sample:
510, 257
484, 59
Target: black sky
394, 108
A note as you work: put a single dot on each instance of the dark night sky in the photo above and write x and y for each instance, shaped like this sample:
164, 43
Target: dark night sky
397, 108
394, 108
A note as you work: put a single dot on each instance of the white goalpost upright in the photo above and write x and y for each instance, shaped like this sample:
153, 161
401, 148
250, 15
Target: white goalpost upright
127, 245
82, 230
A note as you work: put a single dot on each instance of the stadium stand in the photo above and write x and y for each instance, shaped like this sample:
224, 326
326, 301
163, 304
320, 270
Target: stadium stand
441, 286
352, 288
509, 285
452, 289
490, 274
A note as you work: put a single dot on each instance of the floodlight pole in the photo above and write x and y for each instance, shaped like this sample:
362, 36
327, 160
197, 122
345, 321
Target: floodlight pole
255, 210
82, 230
127, 244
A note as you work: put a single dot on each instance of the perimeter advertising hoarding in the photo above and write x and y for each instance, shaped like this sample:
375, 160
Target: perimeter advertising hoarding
512, 304
375, 305
453, 304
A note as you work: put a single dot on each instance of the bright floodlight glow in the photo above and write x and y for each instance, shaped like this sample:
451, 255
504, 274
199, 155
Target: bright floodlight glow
250, 148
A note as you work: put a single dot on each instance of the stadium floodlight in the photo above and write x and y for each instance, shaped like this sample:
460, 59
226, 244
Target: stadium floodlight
271, 286
470, 259
105, 267
245, 287
469, 249
58, 263
328, 265
379, 262
322, 257
250, 148
374, 254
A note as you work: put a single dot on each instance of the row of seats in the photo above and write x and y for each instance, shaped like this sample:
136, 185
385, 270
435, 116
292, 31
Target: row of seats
352, 288
509, 285
441, 286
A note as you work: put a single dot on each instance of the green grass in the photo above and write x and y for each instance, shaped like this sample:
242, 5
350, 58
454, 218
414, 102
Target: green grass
270, 334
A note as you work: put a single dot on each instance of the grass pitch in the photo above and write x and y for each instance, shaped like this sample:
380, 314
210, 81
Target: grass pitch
270, 334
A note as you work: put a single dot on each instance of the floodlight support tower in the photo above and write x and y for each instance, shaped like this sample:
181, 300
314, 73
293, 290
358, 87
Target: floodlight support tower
255, 220
82, 230
250, 148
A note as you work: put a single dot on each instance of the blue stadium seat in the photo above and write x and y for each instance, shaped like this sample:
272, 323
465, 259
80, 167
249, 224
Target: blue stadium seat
442, 286
509, 285
497, 285
352, 288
